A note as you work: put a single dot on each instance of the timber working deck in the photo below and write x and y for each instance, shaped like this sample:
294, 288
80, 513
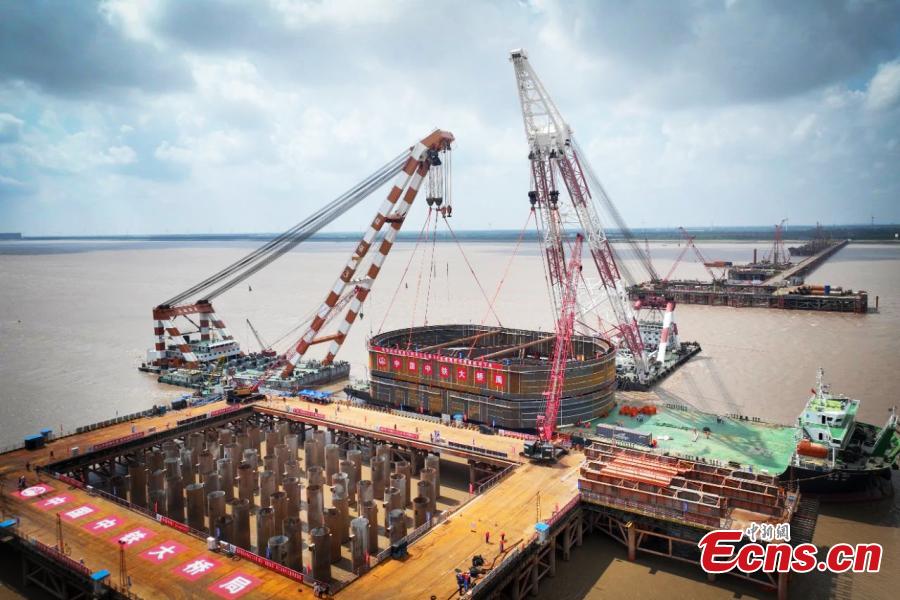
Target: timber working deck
152, 578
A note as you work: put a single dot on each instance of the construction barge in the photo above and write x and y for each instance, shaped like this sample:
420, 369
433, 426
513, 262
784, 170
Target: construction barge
763, 285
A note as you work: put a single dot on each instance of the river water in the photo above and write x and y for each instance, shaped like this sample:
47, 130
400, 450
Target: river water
75, 323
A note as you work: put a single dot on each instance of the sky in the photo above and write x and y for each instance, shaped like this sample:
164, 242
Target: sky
193, 116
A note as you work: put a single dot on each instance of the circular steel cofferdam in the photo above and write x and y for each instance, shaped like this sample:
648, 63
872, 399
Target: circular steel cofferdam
492, 375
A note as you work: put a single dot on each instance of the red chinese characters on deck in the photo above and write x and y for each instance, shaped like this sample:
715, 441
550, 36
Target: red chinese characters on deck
480, 377
396, 363
411, 365
196, 568
103, 525
163, 552
54, 502
427, 369
73, 514
444, 371
234, 585
381, 361
35, 491
462, 373
134, 536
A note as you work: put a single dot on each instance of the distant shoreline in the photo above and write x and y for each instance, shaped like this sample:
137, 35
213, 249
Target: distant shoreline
856, 233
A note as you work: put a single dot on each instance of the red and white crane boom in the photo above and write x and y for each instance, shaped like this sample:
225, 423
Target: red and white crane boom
553, 153
565, 326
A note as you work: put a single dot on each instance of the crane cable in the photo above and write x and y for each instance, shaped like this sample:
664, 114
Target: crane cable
284, 242
405, 271
412, 320
472, 271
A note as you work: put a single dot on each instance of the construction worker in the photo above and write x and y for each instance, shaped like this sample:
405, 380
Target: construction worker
487, 537
467, 580
459, 581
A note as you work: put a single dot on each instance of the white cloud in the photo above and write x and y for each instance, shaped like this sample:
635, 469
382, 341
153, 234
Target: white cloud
10, 128
884, 89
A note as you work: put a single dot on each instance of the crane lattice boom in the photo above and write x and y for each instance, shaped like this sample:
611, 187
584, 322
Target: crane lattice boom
552, 151
565, 326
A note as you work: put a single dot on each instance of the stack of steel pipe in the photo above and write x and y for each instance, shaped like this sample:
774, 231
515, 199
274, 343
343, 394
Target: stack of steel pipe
347, 469
433, 461
156, 460
226, 477
379, 481
319, 437
396, 525
403, 467
315, 475
251, 456
240, 512
293, 443
369, 510
215, 508
278, 549
364, 491
175, 498
339, 501
283, 428
279, 505
269, 463
333, 523
426, 490
225, 528
421, 506
137, 478
187, 465
253, 433
247, 477
292, 489
282, 453
315, 506
359, 543
332, 460
205, 463
265, 528
212, 483
429, 475
271, 442
392, 500
196, 506
173, 467
266, 488
309, 453
320, 548
398, 480
225, 436
292, 527
292, 469
233, 453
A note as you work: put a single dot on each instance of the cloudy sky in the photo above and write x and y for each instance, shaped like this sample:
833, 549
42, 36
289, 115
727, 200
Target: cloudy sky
200, 116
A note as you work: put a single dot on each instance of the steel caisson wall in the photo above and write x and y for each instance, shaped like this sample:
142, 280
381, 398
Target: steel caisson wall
491, 375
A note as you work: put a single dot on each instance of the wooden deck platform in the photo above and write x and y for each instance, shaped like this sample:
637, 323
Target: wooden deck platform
510, 507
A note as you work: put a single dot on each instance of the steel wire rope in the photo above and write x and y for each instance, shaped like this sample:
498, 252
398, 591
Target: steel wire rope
403, 277
293, 236
412, 321
320, 221
431, 269
471, 270
502, 278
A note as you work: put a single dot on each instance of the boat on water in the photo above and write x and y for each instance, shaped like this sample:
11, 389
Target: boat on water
825, 453
838, 454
